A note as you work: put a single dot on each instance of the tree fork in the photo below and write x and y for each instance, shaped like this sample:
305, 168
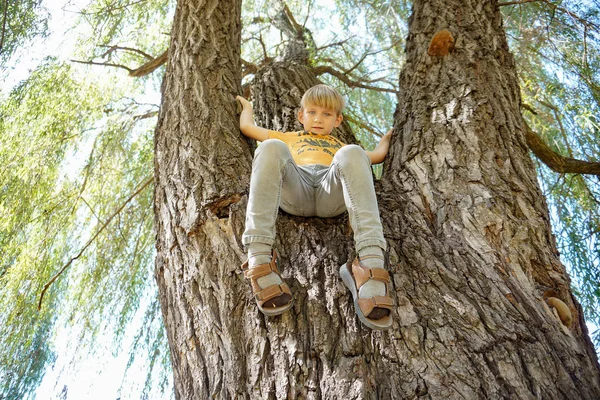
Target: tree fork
470, 247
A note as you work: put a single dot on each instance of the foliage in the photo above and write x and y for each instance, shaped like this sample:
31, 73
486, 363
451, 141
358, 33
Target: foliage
34, 209
123, 31
78, 146
68, 163
20, 21
557, 49
89, 149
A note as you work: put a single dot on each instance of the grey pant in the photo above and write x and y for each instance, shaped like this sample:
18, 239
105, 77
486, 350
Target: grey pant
312, 190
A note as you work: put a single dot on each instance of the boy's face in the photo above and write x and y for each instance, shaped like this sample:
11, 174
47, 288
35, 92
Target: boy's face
318, 119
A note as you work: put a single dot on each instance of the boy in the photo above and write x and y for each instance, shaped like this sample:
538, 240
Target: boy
310, 173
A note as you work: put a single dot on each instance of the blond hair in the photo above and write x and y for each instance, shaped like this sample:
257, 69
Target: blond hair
323, 96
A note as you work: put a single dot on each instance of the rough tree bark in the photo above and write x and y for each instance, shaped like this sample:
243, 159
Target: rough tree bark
201, 167
471, 250
471, 246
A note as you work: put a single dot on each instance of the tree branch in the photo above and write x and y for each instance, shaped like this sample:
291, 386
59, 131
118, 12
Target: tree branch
320, 70
363, 125
149, 114
295, 25
103, 64
248, 68
88, 169
511, 3
150, 66
145, 69
583, 21
556, 113
113, 48
585, 78
84, 248
310, 4
340, 43
555, 161
349, 70
110, 9
3, 25
266, 57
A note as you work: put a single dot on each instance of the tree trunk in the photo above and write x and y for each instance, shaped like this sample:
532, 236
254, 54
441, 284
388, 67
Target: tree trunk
471, 251
202, 170
470, 241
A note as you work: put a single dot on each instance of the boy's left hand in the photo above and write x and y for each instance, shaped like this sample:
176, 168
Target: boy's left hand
387, 136
381, 150
384, 142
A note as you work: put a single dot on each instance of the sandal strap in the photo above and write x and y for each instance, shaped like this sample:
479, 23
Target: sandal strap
254, 273
270, 292
367, 305
261, 270
363, 274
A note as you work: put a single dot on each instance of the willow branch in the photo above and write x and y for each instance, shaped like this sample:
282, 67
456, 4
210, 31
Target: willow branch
88, 172
110, 9
365, 55
248, 68
556, 113
297, 27
3, 25
583, 21
512, 3
151, 65
584, 56
320, 70
363, 125
84, 248
259, 39
130, 49
555, 161
103, 64
340, 43
145, 69
308, 13
149, 114
340, 69
585, 78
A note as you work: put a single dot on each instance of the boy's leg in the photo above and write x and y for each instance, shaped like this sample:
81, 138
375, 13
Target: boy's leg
273, 170
351, 174
276, 181
350, 179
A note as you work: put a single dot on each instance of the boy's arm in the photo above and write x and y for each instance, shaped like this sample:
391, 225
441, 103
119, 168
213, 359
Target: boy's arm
381, 150
247, 122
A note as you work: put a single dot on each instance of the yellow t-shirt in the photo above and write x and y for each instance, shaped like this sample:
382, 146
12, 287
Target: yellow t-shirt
309, 148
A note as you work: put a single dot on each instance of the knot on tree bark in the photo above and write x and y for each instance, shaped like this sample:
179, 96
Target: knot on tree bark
441, 43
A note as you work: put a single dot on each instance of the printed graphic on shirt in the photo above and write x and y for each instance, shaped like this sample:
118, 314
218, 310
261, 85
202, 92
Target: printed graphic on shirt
309, 148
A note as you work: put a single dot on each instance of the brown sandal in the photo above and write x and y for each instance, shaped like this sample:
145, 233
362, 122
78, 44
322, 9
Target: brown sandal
274, 299
375, 312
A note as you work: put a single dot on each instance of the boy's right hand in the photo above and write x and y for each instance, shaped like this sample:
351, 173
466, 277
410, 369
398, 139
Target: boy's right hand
245, 103
247, 122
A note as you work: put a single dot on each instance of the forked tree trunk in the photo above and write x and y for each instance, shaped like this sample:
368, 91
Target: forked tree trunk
470, 245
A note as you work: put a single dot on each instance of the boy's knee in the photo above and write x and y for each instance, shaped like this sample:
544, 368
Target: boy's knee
351, 154
271, 148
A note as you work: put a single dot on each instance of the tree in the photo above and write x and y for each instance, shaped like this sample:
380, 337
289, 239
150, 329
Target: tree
77, 237
471, 250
